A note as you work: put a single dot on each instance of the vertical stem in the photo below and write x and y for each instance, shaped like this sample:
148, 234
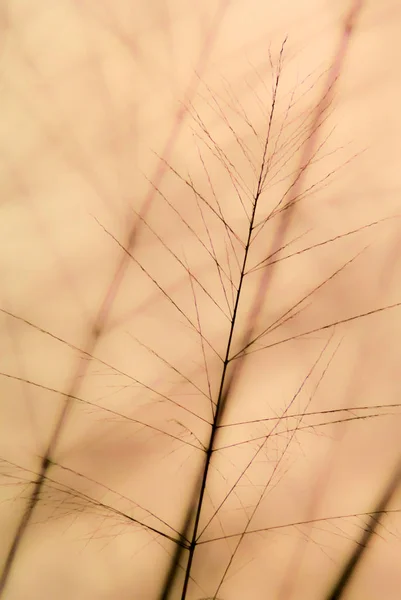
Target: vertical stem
220, 405
224, 389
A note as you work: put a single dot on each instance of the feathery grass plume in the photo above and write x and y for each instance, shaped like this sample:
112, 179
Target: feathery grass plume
180, 445
228, 379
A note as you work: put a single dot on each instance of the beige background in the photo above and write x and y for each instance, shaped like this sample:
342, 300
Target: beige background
89, 92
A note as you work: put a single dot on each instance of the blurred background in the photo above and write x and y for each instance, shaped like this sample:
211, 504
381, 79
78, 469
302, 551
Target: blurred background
93, 93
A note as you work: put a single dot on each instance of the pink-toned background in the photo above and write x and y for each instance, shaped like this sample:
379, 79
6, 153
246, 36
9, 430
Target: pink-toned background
88, 90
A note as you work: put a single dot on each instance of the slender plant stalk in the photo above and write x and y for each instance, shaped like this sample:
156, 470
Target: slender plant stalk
345, 577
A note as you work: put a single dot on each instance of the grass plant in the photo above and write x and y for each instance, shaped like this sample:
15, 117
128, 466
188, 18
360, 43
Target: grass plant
209, 362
